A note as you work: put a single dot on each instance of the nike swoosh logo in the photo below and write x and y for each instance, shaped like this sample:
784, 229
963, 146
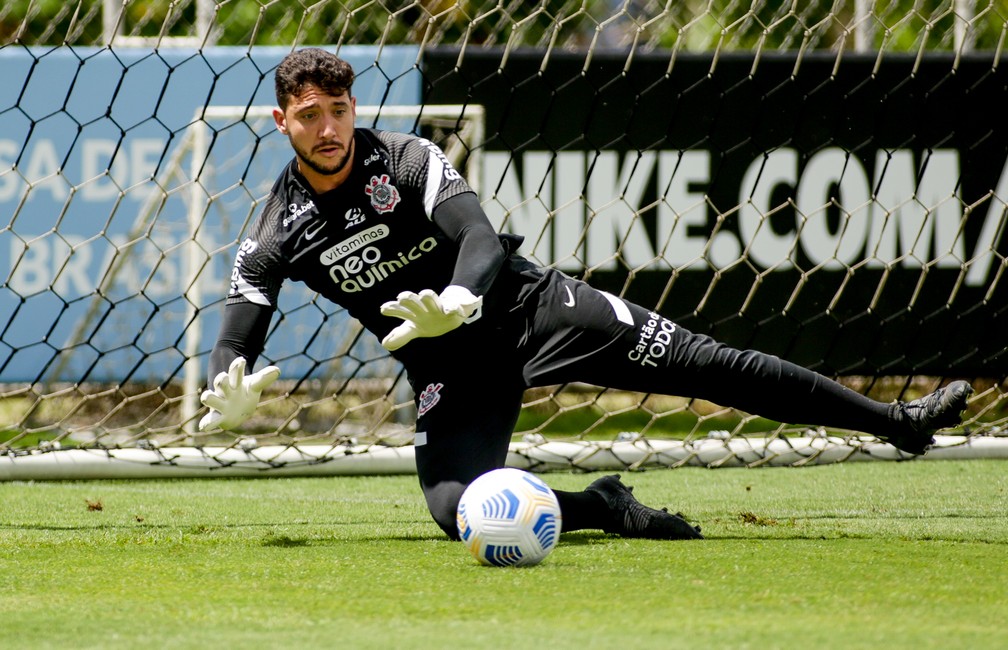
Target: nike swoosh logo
570, 297
309, 235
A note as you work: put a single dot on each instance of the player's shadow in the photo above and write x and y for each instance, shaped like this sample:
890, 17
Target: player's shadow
585, 537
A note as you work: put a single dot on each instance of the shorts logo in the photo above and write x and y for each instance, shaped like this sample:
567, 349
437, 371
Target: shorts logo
654, 341
384, 195
429, 397
570, 297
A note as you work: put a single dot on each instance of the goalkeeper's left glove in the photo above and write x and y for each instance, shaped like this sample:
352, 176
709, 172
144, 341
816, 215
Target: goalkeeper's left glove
234, 397
427, 314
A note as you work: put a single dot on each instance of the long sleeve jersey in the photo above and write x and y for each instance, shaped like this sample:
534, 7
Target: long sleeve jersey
404, 219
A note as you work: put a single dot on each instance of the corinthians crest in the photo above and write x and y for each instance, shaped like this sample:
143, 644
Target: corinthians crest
384, 195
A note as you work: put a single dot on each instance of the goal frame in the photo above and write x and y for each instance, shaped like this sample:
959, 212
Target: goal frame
246, 459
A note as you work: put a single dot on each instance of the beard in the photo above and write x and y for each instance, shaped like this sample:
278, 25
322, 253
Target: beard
330, 169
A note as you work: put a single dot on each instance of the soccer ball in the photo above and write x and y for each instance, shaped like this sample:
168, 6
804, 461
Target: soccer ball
508, 517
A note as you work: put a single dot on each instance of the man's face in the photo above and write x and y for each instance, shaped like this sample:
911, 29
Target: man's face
320, 128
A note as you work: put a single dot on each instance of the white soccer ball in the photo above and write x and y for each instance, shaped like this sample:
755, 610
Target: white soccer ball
508, 517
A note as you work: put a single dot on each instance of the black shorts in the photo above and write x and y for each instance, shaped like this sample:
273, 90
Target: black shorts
562, 330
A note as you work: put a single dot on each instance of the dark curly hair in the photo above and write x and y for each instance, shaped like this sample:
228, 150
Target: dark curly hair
313, 66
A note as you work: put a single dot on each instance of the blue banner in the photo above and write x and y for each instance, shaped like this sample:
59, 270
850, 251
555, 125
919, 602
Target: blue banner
111, 257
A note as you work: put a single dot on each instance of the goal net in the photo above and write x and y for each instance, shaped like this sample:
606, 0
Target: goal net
822, 181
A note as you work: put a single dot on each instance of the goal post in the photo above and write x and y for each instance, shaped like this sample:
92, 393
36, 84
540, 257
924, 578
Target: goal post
819, 182
247, 460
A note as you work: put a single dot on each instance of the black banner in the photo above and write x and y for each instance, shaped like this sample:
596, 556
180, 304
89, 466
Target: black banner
844, 213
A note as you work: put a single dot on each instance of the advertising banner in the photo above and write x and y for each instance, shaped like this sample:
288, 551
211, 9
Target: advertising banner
844, 212
126, 179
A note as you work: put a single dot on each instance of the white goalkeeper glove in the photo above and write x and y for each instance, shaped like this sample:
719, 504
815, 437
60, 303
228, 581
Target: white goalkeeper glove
427, 314
234, 397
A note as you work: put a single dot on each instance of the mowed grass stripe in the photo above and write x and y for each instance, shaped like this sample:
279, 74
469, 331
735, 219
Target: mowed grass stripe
855, 555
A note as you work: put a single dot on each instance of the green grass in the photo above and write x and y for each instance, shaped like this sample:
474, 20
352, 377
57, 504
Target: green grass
860, 555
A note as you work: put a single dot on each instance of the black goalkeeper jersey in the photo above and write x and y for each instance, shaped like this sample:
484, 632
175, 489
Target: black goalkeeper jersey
362, 243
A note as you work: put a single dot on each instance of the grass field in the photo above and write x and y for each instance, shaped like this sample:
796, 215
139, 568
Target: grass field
859, 555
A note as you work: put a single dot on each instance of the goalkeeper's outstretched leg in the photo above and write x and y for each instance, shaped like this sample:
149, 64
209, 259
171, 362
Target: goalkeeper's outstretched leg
582, 334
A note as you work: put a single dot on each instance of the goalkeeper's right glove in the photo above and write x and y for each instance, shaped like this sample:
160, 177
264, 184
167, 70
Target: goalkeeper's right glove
427, 314
234, 397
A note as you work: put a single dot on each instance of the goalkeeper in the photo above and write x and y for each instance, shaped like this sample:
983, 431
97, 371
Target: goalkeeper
380, 223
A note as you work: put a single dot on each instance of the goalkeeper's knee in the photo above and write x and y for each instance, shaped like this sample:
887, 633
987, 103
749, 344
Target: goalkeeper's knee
442, 501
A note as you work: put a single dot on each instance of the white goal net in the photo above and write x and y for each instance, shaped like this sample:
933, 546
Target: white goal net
822, 181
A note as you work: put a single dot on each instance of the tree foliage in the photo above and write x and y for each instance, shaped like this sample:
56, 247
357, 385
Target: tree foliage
892, 25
